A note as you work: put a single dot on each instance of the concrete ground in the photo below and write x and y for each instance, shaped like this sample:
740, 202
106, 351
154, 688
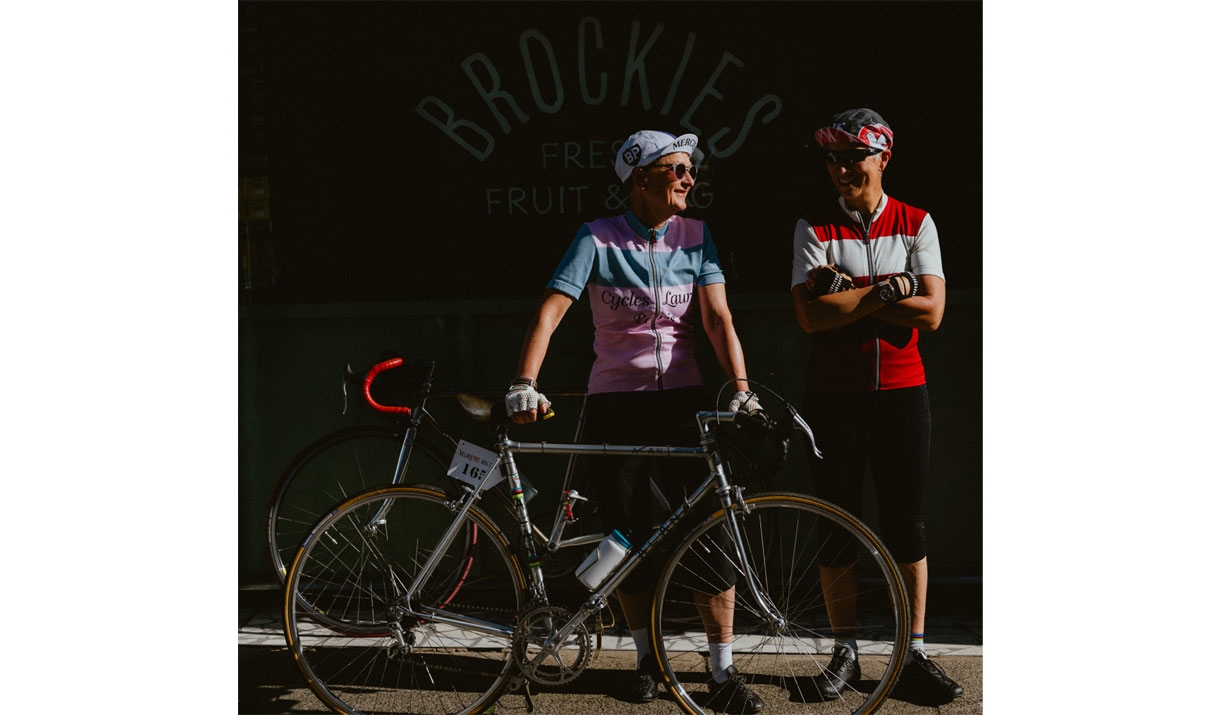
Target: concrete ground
269, 683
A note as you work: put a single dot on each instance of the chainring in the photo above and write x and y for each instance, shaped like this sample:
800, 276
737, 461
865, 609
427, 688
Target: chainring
565, 662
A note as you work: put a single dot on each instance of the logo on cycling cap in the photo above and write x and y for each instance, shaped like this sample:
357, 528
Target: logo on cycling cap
857, 126
645, 147
632, 156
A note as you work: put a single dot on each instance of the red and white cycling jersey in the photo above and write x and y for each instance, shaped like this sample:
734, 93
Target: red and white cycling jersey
868, 354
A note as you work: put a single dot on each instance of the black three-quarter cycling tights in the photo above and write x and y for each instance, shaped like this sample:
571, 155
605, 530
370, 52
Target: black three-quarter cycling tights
624, 485
889, 432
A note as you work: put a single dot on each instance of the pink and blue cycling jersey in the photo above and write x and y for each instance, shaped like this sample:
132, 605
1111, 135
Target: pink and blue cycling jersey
641, 284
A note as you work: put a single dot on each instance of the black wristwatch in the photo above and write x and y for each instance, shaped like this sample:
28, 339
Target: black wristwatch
886, 292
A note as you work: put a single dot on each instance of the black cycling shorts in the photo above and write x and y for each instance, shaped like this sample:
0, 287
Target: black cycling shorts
889, 434
624, 486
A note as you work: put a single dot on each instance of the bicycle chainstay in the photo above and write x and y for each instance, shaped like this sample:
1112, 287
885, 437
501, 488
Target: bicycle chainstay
518, 617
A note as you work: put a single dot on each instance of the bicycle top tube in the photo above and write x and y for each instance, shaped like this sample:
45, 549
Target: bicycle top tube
704, 419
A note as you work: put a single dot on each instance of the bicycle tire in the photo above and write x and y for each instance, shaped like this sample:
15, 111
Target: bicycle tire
355, 573
779, 661
333, 468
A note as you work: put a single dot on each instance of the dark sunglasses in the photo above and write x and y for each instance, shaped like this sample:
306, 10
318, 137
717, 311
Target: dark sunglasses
680, 170
853, 156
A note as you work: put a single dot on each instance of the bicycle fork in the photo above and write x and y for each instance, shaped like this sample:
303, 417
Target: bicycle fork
418, 415
734, 504
776, 619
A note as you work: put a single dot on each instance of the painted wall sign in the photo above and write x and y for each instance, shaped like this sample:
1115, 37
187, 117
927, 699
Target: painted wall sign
406, 139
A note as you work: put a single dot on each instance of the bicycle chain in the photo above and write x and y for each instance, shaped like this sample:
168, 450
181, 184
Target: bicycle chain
449, 668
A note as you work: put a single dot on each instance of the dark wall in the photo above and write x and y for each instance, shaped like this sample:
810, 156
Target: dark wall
292, 358
371, 200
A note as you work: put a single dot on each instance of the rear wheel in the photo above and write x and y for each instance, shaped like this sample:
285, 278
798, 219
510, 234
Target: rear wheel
783, 641
365, 654
334, 468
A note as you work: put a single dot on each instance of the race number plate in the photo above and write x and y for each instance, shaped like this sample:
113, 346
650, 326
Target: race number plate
471, 462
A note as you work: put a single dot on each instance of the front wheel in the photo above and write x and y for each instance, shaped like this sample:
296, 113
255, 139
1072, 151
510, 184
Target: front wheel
348, 630
783, 639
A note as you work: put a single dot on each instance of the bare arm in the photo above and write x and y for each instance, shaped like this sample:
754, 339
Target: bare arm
718, 324
827, 312
923, 310
537, 339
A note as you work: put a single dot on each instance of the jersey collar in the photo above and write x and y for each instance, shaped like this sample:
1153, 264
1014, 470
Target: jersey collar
643, 231
885, 199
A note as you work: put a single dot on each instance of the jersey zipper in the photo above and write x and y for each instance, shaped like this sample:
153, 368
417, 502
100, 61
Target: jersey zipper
656, 307
872, 277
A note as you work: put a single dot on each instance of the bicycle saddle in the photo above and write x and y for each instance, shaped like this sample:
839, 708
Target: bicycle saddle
477, 408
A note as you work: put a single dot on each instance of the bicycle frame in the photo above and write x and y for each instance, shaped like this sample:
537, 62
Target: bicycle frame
448, 604
717, 481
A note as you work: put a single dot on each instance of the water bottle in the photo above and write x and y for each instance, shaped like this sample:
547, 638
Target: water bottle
603, 559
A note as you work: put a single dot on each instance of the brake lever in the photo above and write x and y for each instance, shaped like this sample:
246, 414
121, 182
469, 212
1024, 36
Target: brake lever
343, 386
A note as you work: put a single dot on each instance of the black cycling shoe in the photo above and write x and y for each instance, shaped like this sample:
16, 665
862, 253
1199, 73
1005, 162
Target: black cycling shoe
924, 681
734, 696
843, 670
647, 680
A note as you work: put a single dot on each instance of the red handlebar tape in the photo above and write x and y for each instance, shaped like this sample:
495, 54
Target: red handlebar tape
368, 383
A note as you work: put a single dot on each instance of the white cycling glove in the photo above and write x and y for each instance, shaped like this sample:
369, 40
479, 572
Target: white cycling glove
747, 401
523, 398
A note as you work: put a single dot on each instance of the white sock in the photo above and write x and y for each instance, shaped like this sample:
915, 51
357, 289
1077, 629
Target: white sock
721, 658
640, 636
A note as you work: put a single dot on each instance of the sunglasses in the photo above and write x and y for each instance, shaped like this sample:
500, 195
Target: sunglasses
853, 156
681, 170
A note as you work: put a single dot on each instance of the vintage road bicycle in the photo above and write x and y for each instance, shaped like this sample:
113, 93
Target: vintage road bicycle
406, 599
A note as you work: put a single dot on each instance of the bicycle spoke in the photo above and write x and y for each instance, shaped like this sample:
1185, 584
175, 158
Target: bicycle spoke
783, 538
333, 469
359, 657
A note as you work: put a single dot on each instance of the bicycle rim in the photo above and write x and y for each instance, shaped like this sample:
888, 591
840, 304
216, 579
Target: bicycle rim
353, 567
332, 469
780, 659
